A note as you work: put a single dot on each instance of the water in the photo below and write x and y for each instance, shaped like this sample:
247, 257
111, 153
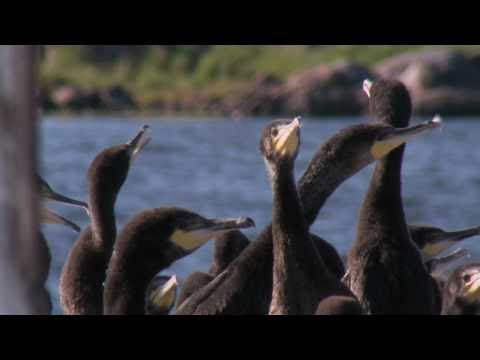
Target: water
215, 168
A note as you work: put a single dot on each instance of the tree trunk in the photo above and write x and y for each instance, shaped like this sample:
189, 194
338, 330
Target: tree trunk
19, 245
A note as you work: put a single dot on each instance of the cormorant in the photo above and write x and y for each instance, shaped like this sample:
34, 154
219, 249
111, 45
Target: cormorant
245, 287
227, 247
432, 241
83, 275
386, 269
461, 295
149, 243
390, 103
49, 217
301, 279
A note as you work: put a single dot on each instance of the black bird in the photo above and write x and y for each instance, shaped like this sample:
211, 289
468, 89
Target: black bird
227, 247
83, 275
461, 295
432, 241
245, 287
49, 217
390, 103
161, 294
150, 243
437, 267
385, 268
301, 279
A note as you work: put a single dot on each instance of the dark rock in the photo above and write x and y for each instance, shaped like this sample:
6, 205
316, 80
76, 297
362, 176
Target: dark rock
257, 99
66, 97
445, 82
327, 90
116, 98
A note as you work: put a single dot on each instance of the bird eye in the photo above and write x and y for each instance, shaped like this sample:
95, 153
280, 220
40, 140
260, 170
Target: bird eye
274, 132
466, 278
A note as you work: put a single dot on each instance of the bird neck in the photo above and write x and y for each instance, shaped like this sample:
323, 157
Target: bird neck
325, 173
382, 216
128, 279
292, 246
102, 208
387, 176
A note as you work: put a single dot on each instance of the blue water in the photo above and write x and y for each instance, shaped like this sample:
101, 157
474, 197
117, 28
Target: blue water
214, 167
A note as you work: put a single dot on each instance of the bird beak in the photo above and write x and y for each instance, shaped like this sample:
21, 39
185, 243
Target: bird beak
397, 137
288, 139
140, 140
54, 196
49, 217
232, 224
164, 297
443, 241
472, 288
367, 86
437, 266
197, 234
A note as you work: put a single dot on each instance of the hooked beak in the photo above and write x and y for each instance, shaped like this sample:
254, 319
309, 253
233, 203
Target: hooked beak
288, 137
367, 87
49, 217
196, 235
397, 137
437, 266
140, 140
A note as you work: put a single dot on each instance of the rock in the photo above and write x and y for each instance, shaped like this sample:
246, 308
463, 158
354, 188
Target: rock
446, 82
257, 99
327, 90
448, 100
66, 97
115, 98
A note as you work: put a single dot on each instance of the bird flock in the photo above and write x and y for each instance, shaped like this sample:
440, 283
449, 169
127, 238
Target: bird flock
392, 267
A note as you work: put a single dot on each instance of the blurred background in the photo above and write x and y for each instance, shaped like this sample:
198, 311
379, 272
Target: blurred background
207, 106
253, 80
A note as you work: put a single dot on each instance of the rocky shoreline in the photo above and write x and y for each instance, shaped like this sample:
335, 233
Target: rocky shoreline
445, 82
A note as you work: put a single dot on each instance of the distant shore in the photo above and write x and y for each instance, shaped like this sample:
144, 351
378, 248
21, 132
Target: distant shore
445, 81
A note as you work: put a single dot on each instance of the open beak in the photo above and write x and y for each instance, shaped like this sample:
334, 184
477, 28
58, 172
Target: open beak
48, 193
437, 266
288, 137
367, 87
53, 196
472, 288
49, 217
397, 137
447, 239
140, 140
197, 234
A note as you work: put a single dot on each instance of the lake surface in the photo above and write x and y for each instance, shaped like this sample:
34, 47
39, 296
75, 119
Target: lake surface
214, 168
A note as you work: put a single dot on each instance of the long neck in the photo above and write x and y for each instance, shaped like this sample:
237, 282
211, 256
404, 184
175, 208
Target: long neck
102, 205
292, 247
325, 173
382, 212
128, 278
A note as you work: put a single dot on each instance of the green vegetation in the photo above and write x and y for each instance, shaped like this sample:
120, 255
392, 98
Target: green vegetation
158, 72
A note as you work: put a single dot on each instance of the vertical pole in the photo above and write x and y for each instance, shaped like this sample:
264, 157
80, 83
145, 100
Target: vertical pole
19, 245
